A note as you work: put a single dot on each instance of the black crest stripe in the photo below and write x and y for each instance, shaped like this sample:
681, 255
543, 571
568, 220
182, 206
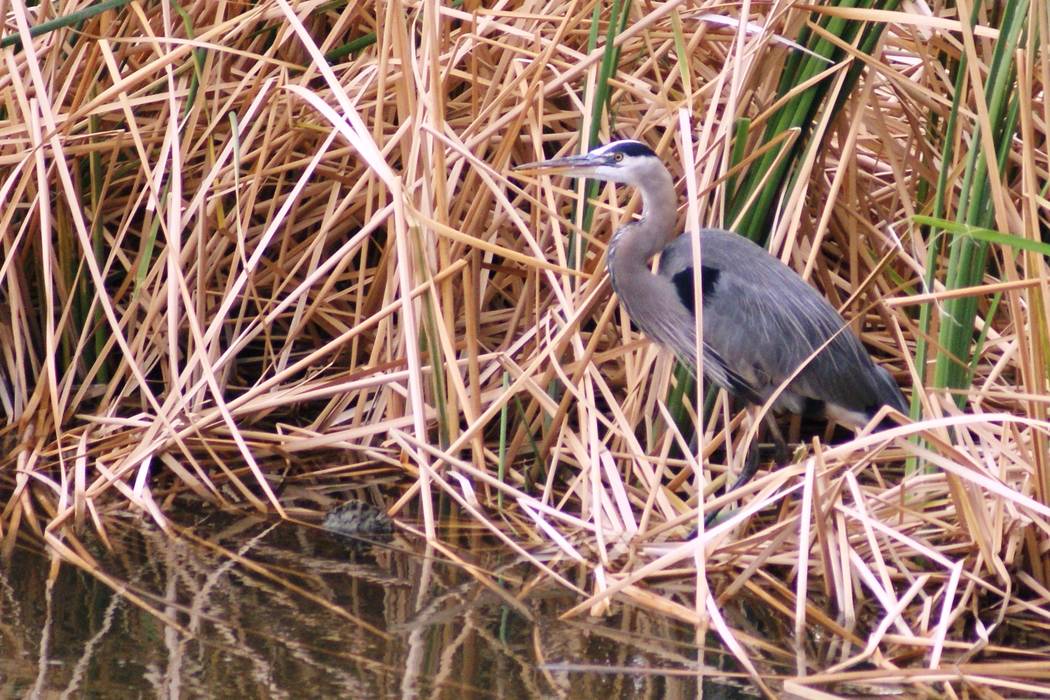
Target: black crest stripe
631, 148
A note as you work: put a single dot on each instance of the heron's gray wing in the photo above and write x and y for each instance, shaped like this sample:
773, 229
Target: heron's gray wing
763, 321
657, 305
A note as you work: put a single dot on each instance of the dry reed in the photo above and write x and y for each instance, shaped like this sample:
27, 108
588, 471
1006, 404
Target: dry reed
225, 253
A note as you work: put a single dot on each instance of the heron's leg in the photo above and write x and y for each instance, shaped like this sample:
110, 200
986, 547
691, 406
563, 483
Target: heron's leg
745, 475
751, 465
780, 454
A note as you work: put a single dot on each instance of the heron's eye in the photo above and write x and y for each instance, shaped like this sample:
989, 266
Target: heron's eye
617, 157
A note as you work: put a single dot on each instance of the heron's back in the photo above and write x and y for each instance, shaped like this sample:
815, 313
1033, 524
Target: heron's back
761, 323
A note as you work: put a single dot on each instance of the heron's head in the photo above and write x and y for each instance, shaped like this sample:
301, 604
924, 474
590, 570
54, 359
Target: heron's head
629, 162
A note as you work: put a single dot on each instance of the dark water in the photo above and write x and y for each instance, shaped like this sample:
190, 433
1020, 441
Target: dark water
264, 610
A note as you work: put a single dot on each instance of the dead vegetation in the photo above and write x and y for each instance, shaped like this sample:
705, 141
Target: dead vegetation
224, 253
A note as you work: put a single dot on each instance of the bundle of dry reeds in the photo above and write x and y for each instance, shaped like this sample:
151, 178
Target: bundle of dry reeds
236, 237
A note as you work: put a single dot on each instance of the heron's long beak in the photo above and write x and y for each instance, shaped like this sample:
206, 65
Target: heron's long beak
572, 165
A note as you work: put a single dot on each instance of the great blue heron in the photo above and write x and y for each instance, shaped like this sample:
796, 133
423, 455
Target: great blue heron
761, 321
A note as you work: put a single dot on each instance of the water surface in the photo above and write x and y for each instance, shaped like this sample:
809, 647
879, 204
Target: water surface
259, 609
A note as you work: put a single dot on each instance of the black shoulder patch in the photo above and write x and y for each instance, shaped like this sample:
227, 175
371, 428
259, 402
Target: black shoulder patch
631, 148
709, 279
683, 283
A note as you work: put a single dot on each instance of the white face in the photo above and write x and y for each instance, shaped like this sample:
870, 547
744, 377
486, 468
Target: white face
611, 163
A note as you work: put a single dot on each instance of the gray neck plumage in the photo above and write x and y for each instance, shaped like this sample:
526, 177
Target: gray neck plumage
634, 244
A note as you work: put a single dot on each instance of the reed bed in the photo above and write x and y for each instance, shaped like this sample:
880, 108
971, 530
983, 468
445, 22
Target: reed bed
238, 237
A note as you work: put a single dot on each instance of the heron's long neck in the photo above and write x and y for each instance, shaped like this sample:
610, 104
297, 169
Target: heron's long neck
633, 245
